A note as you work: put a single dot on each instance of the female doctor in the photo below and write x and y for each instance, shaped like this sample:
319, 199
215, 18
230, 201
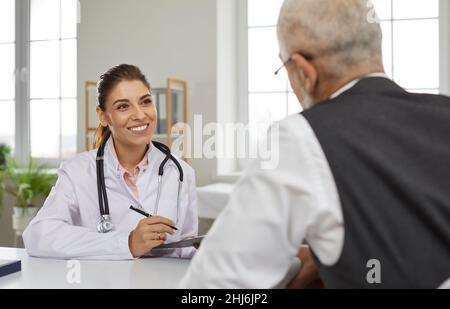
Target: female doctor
87, 214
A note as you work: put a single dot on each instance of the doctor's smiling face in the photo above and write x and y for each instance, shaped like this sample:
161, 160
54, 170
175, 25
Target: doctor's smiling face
126, 107
130, 114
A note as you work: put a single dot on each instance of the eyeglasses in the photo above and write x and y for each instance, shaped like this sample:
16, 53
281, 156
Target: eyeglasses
284, 64
308, 57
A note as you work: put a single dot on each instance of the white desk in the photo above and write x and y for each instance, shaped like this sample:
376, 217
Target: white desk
149, 273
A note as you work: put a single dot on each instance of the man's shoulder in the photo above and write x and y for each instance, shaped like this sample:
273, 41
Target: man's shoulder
294, 125
368, 105
293, 133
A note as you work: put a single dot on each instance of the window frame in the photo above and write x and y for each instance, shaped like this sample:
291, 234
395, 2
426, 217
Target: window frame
444, 51
3, 43
22, 87
22, 74
242, 37
392, 20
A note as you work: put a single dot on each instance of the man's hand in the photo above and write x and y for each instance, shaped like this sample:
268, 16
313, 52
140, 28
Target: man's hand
149, 233
308, 277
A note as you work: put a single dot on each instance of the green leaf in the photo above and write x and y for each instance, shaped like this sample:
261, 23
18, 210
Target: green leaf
27, 183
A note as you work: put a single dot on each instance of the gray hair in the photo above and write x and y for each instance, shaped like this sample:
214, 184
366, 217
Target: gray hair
343, 31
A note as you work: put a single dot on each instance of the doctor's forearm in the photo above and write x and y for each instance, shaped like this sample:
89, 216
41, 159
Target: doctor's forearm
58, 240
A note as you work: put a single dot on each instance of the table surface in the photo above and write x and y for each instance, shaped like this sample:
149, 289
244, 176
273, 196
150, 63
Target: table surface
147, 273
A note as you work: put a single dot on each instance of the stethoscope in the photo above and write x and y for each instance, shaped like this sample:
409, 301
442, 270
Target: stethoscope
105, 224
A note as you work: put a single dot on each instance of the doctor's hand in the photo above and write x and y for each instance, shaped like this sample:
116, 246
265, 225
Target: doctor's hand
149, 233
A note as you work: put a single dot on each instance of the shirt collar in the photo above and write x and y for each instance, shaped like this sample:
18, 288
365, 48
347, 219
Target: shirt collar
143, 164
351, 84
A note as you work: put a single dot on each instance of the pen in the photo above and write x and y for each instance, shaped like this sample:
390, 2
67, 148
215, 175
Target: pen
147, 215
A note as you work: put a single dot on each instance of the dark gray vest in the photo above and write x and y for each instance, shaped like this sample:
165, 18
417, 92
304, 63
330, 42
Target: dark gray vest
389, 153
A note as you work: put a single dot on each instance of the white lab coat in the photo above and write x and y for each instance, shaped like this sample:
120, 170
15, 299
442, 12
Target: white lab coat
66, 226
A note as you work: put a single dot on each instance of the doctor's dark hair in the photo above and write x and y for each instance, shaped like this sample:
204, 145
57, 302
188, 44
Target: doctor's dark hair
108, 81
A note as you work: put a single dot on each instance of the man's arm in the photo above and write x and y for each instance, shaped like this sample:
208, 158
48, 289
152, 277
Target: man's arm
254, 241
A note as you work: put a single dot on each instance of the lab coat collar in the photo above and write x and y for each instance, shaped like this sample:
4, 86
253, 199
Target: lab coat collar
155, 156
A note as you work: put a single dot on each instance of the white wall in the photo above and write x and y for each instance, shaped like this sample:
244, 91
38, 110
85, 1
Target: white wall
165, 38
227, 74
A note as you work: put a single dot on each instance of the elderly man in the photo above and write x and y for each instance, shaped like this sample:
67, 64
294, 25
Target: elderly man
364, 173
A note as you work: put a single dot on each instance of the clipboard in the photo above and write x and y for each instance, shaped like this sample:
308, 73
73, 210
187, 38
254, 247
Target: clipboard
184, 243
9, 267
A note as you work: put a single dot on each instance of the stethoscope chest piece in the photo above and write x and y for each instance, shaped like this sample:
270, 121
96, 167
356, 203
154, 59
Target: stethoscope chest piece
105, 225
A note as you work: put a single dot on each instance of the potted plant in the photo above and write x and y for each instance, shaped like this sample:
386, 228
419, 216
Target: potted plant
5, 152
26, 185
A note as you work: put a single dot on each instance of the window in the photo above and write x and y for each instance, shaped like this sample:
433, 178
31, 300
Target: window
270, 97
7, 65
42, 99
410, 51
411, 42
53, 59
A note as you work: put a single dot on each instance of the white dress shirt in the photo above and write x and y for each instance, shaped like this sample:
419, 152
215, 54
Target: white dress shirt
66, 226
271, 213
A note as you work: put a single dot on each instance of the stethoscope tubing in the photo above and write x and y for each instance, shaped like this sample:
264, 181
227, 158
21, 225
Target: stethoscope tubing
105, 224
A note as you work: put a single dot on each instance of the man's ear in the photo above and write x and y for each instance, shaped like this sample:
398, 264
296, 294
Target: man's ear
101, 116
309, 73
